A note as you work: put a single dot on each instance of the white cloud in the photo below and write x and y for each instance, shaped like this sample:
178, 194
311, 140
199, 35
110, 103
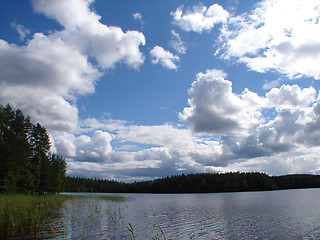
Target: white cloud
162, 135
277, 35
296, 161
277, 146
47, 62
45, 76
93, 149
41, 76
165, 58
291, 96
137, 16
109, 45
51, 110
215, 109
201, 18
84, 148
64, 144
271, 84
177, 43
295, 125
70, 14
23, 32
110, 125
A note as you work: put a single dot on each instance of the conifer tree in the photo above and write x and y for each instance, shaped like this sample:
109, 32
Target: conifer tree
26, 164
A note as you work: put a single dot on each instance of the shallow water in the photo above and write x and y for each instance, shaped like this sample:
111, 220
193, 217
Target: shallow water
287, 214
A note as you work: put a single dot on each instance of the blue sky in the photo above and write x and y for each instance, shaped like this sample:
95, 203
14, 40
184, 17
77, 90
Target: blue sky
137, 90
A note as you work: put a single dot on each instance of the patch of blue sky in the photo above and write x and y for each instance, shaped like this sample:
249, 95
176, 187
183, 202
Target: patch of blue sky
269, 114
25, 16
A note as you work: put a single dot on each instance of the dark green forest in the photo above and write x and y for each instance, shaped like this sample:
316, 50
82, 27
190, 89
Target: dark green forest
197, 183
26, 165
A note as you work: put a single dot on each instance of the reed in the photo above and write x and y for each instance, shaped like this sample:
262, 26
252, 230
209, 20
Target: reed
26, 216
115, 198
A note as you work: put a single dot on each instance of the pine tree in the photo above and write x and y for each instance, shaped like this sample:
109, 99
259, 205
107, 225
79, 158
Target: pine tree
15, 151
41, 162
26, 164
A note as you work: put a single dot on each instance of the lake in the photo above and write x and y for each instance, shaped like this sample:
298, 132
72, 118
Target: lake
286, 214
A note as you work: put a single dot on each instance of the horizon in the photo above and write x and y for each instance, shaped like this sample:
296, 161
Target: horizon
183, 175
132, 94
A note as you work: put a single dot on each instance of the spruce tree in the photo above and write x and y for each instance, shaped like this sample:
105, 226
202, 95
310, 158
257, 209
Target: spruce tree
26, 165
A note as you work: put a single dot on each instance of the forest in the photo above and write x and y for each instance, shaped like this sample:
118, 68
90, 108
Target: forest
197, 183
26, 164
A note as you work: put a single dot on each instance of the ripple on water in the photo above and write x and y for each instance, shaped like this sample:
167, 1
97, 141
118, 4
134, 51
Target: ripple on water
290, 214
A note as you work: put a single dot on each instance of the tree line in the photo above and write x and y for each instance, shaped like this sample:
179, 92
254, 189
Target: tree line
26, 164
197, 183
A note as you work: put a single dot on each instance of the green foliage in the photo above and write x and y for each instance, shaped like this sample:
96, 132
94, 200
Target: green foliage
114, 198
26, 216
197, 183
26, 165
297, 181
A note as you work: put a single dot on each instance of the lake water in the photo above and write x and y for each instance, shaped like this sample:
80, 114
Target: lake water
287, 214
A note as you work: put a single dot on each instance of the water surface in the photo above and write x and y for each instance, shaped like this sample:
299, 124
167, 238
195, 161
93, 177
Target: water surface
287, 214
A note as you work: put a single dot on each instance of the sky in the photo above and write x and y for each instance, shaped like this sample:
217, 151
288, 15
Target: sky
139, 90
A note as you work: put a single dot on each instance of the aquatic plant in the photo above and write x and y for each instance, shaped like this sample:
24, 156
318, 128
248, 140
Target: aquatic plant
28, 215
159, 233
115, 198
60, 216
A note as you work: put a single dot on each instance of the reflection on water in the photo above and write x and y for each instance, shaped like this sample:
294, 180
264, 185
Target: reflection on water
291, 214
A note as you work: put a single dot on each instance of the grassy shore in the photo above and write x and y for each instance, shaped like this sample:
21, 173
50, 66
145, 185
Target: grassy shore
25, 216
29, 216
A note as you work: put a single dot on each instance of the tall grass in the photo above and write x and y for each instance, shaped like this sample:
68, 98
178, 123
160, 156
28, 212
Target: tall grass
114, 198
28, 216
51, 216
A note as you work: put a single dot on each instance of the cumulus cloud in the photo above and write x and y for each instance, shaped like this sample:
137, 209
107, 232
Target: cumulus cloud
292, 96
164, 57
276, 35
228, 131
93, 149
296, 161
247, 136
109, 45
47, 62
215, 109
172, 148
277, 146
45, 107
200, 18
84, 148
45, 76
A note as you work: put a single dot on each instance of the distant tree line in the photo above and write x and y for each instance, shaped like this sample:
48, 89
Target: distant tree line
26, 165
197, 183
